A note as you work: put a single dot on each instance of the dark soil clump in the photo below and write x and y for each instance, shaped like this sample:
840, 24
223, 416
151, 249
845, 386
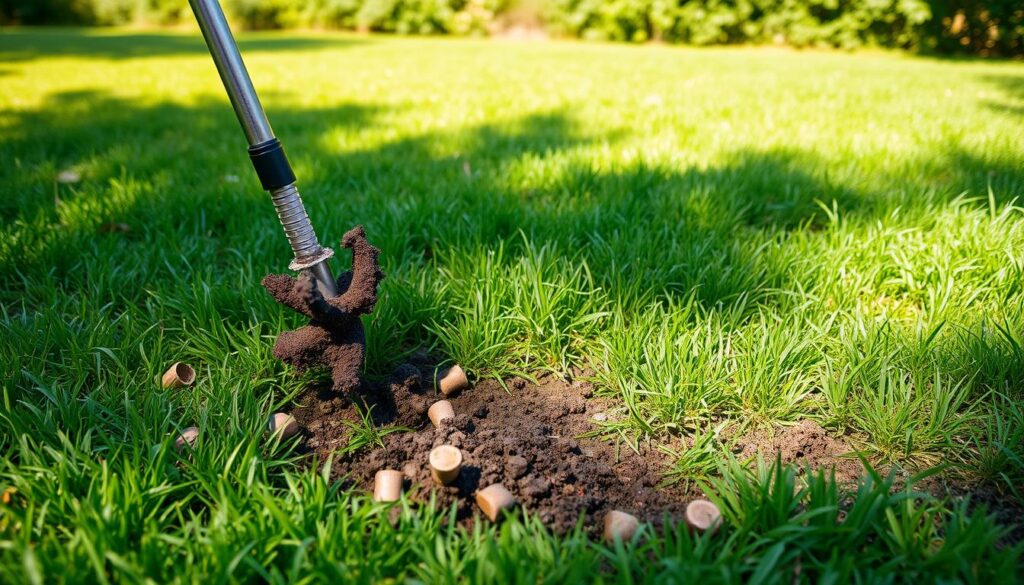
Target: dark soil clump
527, 438
334, 338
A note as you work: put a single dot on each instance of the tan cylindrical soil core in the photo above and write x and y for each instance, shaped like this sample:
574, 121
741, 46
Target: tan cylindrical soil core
619, 525
702, 516
387, 485
187, 437
178, 375
452, 380
445, 463
283, 423
439, 411
493, 499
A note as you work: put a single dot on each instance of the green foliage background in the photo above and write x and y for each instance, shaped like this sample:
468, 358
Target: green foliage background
988, 27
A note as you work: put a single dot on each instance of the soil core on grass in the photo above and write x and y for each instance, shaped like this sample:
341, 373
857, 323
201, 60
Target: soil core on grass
527, 438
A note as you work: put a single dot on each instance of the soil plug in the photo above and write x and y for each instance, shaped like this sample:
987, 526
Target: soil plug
334, 338
493, 499
445, 463
387, 485
283, 424
178, 375
452, 380
439, 411
187, 437
703, 516
619, 525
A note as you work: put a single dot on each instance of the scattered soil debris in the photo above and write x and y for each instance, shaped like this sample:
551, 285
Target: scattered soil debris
527, 439
530, 439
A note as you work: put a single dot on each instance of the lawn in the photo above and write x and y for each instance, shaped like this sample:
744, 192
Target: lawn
718, 239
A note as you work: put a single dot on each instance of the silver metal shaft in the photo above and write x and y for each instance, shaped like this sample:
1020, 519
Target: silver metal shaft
309, 254
232, 70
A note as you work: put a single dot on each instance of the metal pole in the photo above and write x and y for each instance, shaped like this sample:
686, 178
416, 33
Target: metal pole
264, 149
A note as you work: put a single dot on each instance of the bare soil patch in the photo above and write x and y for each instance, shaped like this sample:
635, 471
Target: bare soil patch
528, 438
805, 444
531, 438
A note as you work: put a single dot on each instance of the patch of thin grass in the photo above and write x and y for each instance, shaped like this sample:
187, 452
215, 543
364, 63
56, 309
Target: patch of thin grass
696, 460
912, 420
364, 433
997, 447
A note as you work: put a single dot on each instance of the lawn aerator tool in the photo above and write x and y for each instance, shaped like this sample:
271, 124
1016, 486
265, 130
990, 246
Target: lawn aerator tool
334, 337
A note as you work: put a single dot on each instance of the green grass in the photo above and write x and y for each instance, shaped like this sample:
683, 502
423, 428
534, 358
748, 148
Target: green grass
743, 236
363, 433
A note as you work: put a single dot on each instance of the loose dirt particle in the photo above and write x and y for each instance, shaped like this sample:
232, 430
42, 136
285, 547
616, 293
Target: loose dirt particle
517, 466
805, 444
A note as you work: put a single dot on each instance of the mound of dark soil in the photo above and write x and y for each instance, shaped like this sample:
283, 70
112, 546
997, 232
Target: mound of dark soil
529, 438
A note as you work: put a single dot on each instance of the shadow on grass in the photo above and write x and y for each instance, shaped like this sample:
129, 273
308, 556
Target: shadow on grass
112, 137
457, 188
99, 44
177, 175
647, 231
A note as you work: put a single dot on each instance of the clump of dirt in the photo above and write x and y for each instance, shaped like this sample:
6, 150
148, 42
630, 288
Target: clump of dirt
334, 338
528, 438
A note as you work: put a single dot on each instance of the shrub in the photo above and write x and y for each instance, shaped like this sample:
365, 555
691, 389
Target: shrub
989, 27
264, 14
836, 23
981, 27
331, 13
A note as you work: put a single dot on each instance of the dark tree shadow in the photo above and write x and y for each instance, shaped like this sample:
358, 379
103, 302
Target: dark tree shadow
17, 45
454, 187
168, 143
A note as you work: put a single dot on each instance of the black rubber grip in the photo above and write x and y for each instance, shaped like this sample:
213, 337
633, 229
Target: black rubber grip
271, 164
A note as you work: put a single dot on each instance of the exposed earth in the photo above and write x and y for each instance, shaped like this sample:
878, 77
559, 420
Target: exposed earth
530, 437
527, 438
537, 439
